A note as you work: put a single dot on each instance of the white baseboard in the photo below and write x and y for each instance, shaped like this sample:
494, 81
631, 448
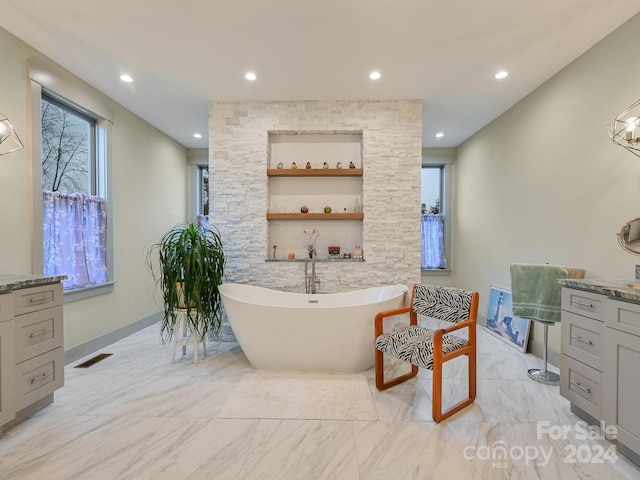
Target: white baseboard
87, 348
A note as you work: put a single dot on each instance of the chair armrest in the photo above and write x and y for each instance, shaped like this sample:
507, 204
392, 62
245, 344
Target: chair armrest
456, 326
438, 334
388, 313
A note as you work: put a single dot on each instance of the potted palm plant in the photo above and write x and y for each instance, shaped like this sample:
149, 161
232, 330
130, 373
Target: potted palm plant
189, 271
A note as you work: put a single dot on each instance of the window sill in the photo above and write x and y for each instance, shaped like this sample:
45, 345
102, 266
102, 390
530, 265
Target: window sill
73, 295
436, 272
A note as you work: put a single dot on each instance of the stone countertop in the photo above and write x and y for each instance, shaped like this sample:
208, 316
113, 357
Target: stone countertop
15, 282
619, 289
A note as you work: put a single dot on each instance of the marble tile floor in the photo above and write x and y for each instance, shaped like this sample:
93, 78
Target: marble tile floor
135, 415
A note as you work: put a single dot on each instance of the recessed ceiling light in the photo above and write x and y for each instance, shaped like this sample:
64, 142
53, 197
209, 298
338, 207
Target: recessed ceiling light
439, 135
126, 78
197, 135
250, 76
374, 75
500, 75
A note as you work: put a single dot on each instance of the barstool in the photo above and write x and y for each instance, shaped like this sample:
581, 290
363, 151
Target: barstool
187, 333
536, 295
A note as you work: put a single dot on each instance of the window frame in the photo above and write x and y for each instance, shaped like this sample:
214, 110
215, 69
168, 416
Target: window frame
65, 88
443, 158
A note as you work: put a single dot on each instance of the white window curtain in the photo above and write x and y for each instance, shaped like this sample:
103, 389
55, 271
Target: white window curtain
433, 255
75, 233
203, 221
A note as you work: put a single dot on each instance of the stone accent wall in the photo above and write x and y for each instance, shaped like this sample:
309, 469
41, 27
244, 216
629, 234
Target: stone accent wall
391, 150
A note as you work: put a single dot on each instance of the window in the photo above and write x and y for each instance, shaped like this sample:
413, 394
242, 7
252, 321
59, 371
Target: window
74, 210
203, 195
203, 189
433, 255
68, 149
435, 210
198, 159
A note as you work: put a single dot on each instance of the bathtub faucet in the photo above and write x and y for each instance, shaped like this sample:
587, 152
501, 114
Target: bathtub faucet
310, 280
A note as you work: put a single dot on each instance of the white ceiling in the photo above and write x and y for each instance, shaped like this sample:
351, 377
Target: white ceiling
445, 52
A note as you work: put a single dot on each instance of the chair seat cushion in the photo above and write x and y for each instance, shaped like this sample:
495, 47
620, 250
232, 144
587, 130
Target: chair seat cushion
414, 344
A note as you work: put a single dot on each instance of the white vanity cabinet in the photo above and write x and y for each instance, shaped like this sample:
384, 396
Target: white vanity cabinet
622, 379
600, 361
31, 349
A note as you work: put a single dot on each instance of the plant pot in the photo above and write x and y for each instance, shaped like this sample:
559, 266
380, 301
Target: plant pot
181, 303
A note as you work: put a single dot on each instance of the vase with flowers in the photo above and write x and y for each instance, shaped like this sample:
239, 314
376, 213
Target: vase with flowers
310, 241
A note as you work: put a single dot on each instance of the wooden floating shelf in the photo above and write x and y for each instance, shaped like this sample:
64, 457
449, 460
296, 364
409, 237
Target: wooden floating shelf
314, 172
315, 216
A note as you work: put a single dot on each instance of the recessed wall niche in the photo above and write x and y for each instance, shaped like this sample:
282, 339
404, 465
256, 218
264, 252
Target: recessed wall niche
314, 170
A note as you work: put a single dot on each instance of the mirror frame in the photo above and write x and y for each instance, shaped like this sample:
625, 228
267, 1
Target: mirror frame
623, 237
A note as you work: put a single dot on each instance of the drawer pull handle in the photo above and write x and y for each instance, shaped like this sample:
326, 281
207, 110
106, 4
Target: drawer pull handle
41, 377
580, 339
39, 299
40, 333
588, 390
583, 304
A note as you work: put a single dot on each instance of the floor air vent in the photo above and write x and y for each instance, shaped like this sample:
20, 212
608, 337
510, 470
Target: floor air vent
93, 360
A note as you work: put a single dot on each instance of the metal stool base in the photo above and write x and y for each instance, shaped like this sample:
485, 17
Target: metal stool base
544, 376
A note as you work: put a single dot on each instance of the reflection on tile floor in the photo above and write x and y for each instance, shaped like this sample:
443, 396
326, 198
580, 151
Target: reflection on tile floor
135, 415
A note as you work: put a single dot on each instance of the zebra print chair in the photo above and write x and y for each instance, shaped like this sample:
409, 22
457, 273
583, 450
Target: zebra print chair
427, 348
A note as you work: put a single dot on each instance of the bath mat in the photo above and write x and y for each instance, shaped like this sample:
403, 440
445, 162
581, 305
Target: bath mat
301, 396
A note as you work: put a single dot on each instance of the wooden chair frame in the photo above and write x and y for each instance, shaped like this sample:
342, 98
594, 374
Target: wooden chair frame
438, 357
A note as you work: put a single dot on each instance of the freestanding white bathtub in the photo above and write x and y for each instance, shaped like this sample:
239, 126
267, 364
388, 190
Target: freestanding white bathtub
301, 332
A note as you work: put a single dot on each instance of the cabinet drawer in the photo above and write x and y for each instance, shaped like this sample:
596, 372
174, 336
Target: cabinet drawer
38, 377
583, 303
28, 300
582, 339
581, 385
623, 316
6, 307
38, 332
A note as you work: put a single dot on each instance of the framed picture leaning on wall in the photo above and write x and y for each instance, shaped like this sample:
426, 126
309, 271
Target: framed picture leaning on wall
502, 324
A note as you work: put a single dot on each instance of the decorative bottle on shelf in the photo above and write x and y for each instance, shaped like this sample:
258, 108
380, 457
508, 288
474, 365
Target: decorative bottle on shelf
356, 207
